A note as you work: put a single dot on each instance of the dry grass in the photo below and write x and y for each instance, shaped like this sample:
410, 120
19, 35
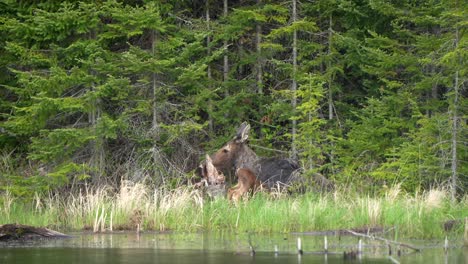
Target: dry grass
7, 202
137, 206
133, 206
374, 211
435, 198
393, 193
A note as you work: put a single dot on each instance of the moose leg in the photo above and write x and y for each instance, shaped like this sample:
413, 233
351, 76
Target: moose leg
233, 192
247, 182
230, 193
236, 196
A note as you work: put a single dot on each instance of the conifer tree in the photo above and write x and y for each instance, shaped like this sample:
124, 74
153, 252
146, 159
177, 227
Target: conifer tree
360, 91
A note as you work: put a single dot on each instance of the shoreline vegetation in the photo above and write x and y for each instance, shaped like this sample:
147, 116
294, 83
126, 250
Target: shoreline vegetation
135, 206
369, 98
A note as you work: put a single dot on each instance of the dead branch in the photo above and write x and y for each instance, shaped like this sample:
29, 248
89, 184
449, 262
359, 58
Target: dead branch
384, 240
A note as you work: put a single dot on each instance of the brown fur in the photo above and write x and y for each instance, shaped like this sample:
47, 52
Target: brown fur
247, 182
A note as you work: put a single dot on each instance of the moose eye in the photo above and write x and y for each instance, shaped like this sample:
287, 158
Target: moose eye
225, 151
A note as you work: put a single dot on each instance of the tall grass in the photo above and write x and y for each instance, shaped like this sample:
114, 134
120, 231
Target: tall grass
184, 209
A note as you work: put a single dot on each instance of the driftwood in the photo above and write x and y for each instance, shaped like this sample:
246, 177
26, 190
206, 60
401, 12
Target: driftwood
213, 181
385, 240
10, 232
343, 232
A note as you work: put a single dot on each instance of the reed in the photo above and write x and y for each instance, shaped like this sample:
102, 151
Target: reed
184, 209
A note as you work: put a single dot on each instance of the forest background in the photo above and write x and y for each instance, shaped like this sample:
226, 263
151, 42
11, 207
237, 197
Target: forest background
367, 93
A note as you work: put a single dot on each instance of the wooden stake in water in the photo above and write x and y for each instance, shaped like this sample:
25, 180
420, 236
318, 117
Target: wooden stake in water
446, 245
252, 249
360, 247
299, 251
325, 244
299, 246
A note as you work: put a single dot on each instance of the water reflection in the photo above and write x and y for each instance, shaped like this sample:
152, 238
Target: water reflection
223, 248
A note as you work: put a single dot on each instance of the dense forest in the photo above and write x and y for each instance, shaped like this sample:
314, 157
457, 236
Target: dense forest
367, 93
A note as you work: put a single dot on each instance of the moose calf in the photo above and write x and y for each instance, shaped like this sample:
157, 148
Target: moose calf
247, 181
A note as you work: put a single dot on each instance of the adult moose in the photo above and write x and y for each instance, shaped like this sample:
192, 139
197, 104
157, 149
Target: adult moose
236, 154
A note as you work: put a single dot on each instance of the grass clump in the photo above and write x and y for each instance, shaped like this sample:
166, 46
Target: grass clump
135, 206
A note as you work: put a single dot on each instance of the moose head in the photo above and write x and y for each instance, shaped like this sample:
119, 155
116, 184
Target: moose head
234, 151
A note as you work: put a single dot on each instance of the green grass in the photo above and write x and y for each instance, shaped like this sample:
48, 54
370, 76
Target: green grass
184, 209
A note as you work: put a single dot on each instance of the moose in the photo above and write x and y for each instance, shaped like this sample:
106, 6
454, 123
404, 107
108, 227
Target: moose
214, 181
247, 181
236, 154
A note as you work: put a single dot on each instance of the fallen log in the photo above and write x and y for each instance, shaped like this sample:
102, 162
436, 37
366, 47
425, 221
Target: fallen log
24, 232
343, 232
384, 240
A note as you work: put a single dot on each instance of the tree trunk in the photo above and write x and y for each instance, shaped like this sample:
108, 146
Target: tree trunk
434, 91
155, 123
330, 74
225, 45
208, 70
258, 40
208, 38
97, 156
454, 177
294, 82
454, 167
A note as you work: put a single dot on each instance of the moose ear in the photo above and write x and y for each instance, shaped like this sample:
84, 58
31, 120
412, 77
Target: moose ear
242, 133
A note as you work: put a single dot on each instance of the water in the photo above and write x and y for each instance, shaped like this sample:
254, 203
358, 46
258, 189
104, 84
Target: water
216, 248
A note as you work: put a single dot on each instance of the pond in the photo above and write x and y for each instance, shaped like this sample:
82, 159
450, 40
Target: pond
128, 247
